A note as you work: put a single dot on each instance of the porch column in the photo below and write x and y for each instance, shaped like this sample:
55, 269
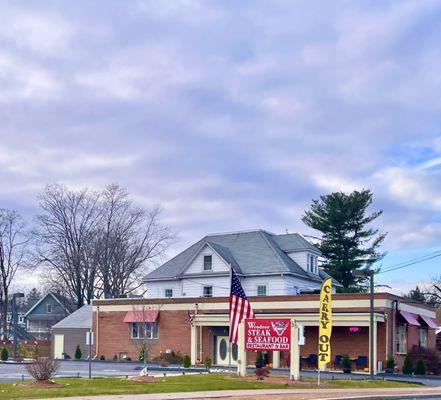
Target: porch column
241, 352
294, 368
276, 359
194, 345
375, 346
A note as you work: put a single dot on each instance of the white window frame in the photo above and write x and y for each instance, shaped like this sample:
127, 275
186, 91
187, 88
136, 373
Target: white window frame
211, 262
265, 290
49, 308
141, 330
422, 337
206, 287
401, 339
168, 290
20, 319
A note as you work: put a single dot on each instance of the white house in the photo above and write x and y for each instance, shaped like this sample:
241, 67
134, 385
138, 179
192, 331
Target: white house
267, 265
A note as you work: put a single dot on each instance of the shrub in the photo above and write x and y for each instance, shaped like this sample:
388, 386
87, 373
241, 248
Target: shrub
346, 362
143, 353
78, 353
163, 362
102, 358
430, 357
260, 360
420, 368
115, 358
4, 354
261, 373
128, 359
408, 365
390, 362
43, 368
208, 363
169, 358
186, 361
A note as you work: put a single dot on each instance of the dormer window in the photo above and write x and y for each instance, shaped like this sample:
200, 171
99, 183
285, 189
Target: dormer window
312, 264
208, 263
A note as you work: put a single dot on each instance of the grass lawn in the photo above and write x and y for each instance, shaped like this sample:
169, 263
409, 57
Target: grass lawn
187, 383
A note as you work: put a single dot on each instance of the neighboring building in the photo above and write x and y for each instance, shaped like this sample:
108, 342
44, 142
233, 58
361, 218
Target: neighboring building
438, 331
70, 332
21, 318
46, 312
267, 265
399, 325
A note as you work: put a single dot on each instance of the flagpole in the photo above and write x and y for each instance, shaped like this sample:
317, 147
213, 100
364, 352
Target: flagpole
229, 324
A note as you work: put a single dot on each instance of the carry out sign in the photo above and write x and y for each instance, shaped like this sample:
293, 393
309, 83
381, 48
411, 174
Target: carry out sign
268, 334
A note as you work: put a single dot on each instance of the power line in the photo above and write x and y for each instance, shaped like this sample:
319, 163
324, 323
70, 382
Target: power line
399, 266
414, 259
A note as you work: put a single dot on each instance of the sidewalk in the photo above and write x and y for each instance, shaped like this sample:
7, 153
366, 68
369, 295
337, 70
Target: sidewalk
276, 394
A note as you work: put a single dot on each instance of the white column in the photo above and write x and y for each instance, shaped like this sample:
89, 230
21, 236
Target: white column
276, 359
194, 345
294, 368
241, 352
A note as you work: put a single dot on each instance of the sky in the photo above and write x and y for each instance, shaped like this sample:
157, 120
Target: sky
230, 115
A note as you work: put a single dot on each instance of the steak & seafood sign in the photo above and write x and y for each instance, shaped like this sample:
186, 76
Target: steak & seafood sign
268, 334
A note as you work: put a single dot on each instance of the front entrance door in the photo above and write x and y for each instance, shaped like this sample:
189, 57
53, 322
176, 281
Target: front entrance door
222, 349
58, 345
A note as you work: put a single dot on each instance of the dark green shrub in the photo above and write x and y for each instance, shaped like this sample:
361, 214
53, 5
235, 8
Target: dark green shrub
260, 360
346, 363
186, 362
4, 354
408, 365
390, 362
102, 358
78, 353
208, 363
420, 368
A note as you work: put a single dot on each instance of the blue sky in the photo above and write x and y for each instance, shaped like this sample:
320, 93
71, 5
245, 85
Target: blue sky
231, 115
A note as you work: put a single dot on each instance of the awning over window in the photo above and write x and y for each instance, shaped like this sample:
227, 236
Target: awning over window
141, 316
429, 321
410, 318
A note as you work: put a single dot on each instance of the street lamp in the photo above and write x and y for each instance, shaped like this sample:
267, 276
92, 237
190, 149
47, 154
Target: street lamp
14, 322
369, 273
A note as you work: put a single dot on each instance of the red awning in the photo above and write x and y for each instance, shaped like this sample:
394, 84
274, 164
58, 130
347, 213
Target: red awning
410, 318
429, 321
141, 316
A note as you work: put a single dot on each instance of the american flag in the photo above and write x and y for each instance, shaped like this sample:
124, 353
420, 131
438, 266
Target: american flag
240, 307
190, 318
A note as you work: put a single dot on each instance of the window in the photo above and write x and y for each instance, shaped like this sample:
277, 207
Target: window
144, 330
261, 290
8, 318
208, 263
401, 339
49, 308
422, 337
20, 319
312, 264
207, 291
168, 292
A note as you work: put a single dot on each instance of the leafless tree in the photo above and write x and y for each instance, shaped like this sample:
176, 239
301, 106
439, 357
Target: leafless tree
129, 238
65, 228
14, 241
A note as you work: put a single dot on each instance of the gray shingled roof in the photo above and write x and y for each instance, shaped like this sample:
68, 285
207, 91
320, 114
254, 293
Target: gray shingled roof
82, 318
249, 253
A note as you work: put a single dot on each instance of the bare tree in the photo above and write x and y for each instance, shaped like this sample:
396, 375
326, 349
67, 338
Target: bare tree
65, 228
14, 241
129, 238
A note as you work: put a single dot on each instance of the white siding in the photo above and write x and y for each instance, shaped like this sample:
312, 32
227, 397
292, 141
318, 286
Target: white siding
193, 287
156, 290
293, 285
197, 265
301, 258
275, 285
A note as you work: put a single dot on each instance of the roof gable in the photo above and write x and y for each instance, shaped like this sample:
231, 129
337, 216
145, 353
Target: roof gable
43, 300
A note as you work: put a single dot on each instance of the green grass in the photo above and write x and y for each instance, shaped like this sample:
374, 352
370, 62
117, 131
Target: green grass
188, 383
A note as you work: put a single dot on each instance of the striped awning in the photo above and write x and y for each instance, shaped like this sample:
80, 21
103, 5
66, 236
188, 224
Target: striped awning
141, 316
429, 322
412, 319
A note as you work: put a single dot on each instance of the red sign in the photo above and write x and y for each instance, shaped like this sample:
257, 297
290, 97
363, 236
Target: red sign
268, 334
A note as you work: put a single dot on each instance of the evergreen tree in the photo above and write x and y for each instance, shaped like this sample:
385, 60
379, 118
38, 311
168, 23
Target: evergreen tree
420, 368
347, 241
78, 353
416, 295
408, 365
4, 354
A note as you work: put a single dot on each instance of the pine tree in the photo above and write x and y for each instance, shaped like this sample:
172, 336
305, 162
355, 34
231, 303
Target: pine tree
408, 365
78, 353
347, 241
420, 368
4, 354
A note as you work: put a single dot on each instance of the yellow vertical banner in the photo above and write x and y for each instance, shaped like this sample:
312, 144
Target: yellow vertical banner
325, 325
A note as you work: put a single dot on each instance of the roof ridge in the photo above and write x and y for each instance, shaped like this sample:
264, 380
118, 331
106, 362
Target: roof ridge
271, 246
239, 232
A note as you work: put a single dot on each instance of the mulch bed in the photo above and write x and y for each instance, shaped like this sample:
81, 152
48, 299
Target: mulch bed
278, 380
150, 379
42, 384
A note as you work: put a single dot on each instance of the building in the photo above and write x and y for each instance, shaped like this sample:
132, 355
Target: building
267, 265
46, 312
399, 325
70, 332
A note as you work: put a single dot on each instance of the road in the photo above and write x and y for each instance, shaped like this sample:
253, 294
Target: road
15, 372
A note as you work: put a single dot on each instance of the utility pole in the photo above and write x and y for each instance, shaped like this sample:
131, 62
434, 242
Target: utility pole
14, 323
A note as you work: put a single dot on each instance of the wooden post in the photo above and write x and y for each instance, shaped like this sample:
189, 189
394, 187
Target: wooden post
294, 368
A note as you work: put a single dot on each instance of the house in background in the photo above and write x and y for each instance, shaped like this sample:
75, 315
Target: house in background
45, 313
70, 332
266, 264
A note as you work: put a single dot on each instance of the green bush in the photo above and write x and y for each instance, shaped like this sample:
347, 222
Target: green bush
346, 362
186, 362
420, 368
208, 363
390, 362
408, 365
4, 354
102, 358
78, 353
